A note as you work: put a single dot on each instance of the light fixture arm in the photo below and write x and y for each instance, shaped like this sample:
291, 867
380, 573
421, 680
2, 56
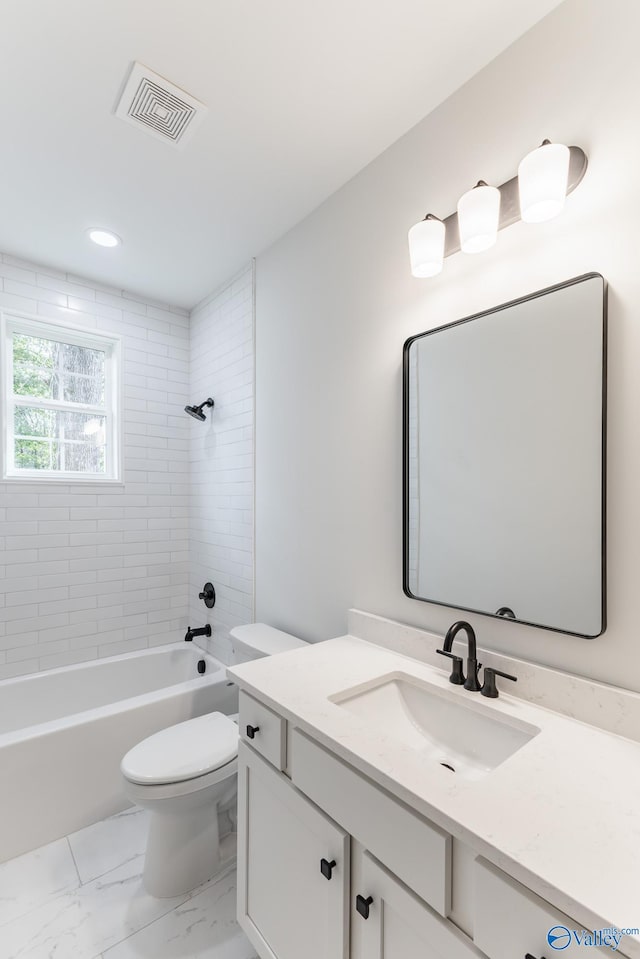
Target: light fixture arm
510, 203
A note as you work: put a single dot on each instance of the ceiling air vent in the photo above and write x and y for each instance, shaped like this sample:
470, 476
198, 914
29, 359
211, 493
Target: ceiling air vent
162, 109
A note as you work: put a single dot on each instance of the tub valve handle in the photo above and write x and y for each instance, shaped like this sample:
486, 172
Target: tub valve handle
208, 595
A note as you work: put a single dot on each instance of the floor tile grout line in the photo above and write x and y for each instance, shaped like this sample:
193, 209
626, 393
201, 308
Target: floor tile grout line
188, 897
106, 872
49, 896
228, 868
80, 882
105, 952
102, 875
61, 893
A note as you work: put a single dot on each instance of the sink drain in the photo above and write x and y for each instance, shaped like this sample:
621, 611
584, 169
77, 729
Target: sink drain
448, 766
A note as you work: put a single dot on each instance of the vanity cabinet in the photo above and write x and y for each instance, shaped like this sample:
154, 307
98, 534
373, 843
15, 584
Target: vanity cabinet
331, 866
293, 868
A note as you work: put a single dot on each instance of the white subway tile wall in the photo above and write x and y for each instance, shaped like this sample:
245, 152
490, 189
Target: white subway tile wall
221, 460
94, 570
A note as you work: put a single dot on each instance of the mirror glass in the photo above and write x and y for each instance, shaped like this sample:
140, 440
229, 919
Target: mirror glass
504, 453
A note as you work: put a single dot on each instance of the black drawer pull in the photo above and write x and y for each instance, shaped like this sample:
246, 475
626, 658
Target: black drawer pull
362, 905
326, 867
252, 730
529, 956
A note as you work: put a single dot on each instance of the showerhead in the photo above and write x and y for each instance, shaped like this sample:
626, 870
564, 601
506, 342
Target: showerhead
196, 411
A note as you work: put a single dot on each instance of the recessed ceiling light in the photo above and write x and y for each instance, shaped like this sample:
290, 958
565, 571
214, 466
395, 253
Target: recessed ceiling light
104, 237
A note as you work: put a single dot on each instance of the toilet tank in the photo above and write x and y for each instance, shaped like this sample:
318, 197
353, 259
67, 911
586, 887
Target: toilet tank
257, 640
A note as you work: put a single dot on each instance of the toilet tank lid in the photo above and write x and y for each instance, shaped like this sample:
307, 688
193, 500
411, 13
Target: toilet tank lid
262, 640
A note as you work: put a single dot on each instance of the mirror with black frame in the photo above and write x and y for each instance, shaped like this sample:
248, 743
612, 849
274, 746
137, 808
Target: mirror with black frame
504, 460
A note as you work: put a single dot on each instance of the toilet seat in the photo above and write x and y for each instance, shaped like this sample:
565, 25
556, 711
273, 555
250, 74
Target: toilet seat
197, 749
146, 795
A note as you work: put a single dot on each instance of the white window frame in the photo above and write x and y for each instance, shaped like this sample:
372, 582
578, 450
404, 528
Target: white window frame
13, 322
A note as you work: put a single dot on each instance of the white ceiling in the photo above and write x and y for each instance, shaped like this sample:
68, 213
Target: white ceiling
301, 94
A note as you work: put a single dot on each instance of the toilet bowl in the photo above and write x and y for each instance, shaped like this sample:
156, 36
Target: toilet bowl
185, 775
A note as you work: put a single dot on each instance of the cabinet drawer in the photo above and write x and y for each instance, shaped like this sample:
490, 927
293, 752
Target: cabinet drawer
416, 851
263, 729
510, 920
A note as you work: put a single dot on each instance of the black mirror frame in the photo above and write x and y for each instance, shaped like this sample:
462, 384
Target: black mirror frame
405, 455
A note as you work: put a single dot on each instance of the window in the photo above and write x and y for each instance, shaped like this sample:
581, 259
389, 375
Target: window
61, 395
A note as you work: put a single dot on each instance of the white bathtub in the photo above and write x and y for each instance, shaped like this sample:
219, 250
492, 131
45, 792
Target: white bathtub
64, 732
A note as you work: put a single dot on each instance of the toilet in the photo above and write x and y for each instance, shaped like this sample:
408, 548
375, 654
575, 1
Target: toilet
186, 775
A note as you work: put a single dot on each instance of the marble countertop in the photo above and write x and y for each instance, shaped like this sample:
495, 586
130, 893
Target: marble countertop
561, 815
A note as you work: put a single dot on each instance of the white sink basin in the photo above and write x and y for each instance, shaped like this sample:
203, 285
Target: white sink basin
457, 734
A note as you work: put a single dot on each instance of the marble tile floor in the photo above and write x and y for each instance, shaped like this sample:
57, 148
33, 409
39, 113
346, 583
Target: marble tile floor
81, 897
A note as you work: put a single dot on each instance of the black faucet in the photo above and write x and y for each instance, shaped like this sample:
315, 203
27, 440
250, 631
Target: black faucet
473, 666
191, 633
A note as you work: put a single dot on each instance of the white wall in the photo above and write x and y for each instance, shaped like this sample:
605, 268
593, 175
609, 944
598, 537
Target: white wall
335, 302
221, 460
92, 570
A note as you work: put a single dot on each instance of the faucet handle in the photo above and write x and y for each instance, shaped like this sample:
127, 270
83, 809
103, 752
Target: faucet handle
489, 687
457, 676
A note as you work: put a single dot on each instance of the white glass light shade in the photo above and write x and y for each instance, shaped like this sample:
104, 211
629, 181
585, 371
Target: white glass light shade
542, 182
426, 247
478, 218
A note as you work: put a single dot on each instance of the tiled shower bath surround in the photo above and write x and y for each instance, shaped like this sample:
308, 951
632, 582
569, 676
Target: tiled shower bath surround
221, 454
92, 570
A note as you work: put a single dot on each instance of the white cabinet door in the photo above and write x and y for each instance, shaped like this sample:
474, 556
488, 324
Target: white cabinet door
287, 906
390, 922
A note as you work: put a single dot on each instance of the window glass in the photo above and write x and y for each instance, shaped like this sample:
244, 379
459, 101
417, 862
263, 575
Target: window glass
57, 419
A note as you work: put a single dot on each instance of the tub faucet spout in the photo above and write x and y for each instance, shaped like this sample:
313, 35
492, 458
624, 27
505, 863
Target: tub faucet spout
202, 631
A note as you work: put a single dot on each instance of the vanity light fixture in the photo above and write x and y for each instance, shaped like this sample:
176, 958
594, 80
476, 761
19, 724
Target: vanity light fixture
542, 182
478, 218
545, 177
426, 246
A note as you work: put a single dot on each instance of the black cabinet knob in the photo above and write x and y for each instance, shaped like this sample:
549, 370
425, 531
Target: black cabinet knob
362, 905
252, 730
326, 867
529, 956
